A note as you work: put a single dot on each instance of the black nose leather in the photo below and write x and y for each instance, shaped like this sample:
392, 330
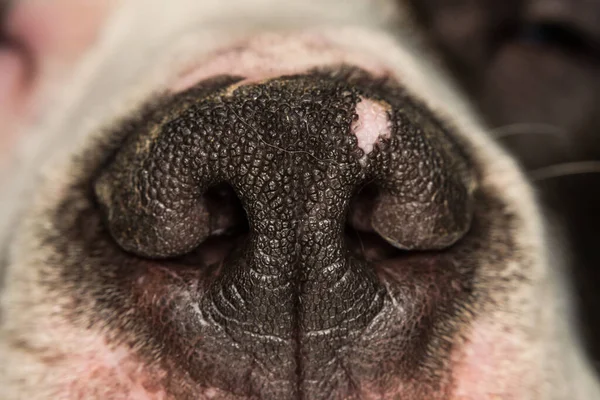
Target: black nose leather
287, 148
292, 294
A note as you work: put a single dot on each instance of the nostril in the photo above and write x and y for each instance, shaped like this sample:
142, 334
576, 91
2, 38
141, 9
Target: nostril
229, 228
226, 213
426, 186
406, 210
225, 225
153, 191
361, 208
360, 237
150, 209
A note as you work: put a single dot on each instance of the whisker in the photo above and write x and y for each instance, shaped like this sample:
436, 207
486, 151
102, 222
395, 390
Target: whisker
565, 169
530, 128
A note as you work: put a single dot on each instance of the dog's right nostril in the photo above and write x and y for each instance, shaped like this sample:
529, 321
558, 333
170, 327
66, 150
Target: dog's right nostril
161, 198
151, 208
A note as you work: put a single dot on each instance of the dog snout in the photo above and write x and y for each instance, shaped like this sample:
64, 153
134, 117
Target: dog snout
287, 162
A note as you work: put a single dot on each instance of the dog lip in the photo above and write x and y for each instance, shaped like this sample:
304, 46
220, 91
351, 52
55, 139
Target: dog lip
426, 281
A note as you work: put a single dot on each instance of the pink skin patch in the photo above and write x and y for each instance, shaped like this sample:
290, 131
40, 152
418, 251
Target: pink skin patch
111, 374
494, 364
373, 123
89, 368
271, 55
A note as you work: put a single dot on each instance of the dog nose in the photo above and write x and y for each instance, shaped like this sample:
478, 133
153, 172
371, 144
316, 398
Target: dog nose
296, 152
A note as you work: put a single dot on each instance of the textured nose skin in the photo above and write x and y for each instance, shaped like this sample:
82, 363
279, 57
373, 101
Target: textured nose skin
292, 297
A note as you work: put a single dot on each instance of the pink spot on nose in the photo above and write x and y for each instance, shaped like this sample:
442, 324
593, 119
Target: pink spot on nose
373, 123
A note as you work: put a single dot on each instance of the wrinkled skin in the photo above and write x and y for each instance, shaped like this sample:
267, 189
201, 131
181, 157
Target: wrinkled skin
221, 211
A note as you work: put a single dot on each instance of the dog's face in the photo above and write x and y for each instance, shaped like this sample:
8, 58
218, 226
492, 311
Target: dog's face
275, 200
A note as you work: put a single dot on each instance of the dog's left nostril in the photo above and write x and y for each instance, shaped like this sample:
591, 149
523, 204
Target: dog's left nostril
361, 238
420, 201
426, 195
424, 185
